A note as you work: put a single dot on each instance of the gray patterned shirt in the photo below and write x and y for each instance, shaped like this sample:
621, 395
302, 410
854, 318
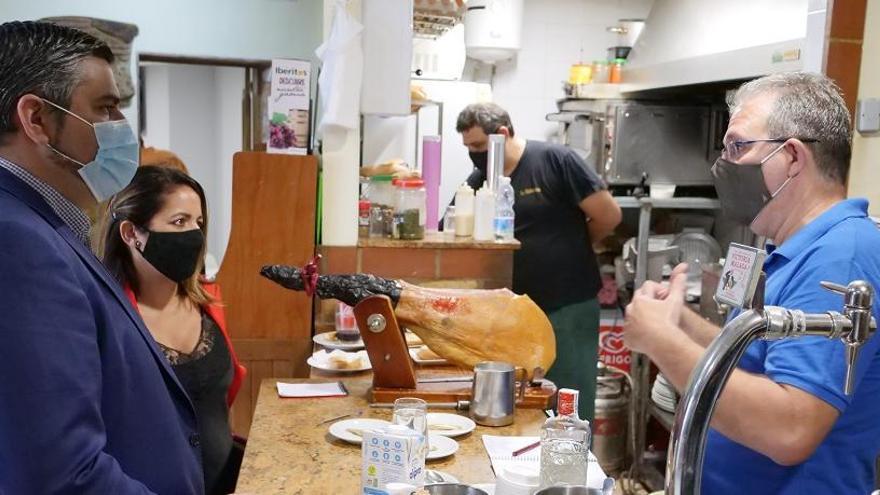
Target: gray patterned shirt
70, 214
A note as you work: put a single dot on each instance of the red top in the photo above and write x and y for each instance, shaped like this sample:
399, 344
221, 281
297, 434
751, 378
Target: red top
215, 311
567, 402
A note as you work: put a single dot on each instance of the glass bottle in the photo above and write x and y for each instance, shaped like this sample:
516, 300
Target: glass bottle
565, 444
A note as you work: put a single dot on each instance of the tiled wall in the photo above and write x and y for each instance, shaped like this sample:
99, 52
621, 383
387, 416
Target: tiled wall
554, 33
459, 268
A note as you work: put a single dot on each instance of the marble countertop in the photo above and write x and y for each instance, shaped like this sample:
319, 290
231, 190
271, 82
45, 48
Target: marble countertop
289, 453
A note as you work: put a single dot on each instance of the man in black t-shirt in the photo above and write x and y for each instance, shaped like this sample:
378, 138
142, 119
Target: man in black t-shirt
562, 208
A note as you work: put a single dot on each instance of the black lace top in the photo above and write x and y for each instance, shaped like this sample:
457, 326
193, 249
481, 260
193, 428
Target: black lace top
206, 374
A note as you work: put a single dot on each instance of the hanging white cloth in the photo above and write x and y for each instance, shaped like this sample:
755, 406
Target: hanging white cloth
341, 74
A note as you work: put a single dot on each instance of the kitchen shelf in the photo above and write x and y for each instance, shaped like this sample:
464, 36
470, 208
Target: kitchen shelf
601, 91
680, 203
641, 403
433, 18
666, 419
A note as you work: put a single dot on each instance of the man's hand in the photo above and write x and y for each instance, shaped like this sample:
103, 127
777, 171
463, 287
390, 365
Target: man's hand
655, 312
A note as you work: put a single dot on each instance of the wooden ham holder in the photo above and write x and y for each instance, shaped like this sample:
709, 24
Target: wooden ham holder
394, 375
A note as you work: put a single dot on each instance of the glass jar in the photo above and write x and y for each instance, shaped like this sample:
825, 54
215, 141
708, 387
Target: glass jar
381, 196
616, 73
410, 210
601, 71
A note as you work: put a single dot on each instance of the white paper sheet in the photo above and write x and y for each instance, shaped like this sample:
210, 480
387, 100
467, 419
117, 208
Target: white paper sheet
299, 390
500, 450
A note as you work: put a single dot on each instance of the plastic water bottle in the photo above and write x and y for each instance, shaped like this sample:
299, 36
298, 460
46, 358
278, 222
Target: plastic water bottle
504, 215
565, 444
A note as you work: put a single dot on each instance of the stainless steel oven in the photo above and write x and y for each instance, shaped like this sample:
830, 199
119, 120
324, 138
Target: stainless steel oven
628, 140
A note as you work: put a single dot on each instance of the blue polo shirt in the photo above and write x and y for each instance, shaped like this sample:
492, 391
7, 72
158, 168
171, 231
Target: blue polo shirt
841, 245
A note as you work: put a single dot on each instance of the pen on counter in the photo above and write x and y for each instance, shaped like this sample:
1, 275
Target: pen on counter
525, 449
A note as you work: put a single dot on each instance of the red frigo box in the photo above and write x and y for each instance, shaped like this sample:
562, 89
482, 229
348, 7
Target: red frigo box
612, 351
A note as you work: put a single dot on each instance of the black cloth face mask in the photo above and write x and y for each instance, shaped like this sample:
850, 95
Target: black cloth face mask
174, 254
741, 188
480, 160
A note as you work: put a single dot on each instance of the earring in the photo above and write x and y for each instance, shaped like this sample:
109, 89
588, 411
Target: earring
137, 244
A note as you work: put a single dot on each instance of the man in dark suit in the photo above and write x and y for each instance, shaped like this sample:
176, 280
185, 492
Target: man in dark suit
87, 403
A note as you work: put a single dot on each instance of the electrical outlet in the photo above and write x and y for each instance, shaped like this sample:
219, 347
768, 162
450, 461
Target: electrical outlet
868, 115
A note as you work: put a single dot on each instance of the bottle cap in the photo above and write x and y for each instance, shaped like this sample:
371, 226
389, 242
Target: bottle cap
411, 183
567, 401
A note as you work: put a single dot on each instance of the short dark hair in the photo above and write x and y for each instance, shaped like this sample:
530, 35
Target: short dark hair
138, 203
43, 59
486, 116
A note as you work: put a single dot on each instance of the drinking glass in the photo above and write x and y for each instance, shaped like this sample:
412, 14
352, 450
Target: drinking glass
412, 413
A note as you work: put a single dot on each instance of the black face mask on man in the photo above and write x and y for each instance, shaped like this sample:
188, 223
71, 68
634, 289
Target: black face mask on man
741, 188
174, 254
480, 160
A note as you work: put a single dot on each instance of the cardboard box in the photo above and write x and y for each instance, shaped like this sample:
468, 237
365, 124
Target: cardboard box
394, 454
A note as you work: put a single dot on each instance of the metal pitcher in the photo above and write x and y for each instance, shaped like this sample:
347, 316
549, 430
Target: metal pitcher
494, 394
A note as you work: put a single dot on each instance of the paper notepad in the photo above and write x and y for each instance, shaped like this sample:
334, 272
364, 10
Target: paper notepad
293, 390
501, 449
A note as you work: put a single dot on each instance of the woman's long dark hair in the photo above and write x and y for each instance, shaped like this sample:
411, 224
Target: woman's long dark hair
138, 203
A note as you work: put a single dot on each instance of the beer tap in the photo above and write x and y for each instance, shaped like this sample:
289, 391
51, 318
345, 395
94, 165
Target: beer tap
853, 328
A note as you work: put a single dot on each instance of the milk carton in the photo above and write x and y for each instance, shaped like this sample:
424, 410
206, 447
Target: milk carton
393, 454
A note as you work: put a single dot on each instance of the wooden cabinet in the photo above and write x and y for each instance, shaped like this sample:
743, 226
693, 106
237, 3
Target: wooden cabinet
273, 221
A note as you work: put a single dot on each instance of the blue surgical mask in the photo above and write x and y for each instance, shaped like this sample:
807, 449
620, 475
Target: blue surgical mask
116, 161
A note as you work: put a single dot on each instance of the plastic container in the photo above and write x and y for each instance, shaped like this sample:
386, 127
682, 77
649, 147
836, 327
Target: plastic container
601, 71
431, 161
410, 210
484, 214
616, 72
464, 211
504, 216
381, 196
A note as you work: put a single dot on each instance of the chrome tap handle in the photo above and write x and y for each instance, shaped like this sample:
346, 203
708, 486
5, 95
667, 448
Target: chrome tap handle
837, 288
858, 298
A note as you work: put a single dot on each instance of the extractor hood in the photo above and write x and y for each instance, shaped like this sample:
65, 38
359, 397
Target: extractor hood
686, 42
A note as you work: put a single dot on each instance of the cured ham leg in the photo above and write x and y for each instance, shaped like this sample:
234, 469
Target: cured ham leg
463, 326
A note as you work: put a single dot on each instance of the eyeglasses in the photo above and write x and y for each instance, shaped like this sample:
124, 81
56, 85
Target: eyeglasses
734, 150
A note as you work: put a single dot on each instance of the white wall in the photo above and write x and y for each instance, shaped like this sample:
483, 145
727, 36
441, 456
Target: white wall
255, 29
554, 33
195, 111
864, 180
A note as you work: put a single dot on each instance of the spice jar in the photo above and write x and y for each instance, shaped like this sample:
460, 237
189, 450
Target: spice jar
616, 73
410, 210
580, 74
601, 71
381, 196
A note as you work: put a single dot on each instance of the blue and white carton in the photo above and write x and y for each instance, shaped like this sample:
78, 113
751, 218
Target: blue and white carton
392, 454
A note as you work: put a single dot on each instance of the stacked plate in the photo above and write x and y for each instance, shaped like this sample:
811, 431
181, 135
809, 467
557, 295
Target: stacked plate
663, 394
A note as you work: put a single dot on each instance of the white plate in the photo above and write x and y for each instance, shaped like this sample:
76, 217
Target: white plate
329, 341
340, 429
462, 424
412, 340
319, 360
414, 354
440, 447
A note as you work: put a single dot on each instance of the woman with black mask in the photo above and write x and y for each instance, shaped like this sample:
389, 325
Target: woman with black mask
154, 244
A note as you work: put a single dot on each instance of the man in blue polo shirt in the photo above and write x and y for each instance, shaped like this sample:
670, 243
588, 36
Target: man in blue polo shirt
783, 424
